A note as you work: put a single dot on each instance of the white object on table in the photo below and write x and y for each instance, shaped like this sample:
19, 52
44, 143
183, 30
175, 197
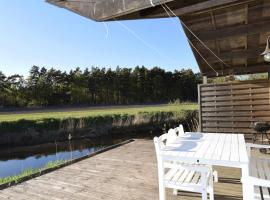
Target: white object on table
171, 136
214, 149
180, 130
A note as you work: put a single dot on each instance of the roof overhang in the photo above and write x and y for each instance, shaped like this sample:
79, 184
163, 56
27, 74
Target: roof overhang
105, 10
236, 30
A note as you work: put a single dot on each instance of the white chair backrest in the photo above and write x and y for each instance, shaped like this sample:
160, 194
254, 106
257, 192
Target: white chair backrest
171, 136
180, 130
160, 141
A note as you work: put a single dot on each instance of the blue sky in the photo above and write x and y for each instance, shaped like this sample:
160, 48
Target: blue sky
33, 32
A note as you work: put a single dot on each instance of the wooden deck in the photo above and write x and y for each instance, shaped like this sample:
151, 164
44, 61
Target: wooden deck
128, 172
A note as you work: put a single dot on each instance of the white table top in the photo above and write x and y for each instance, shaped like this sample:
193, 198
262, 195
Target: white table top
208, 148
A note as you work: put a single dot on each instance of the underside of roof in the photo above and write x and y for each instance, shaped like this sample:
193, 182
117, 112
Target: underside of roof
235, 30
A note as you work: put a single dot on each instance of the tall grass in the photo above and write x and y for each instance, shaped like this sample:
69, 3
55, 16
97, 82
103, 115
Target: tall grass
37, 128
70, 121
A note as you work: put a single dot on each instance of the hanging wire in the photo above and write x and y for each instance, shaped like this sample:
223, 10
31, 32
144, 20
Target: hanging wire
124, 4
193, 46
107, 29
143, 41
196, 36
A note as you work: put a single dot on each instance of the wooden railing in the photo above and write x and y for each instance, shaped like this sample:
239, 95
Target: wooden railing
232, 107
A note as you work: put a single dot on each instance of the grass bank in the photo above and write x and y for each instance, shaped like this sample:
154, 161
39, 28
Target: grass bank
30, 171
88, 112
36, 128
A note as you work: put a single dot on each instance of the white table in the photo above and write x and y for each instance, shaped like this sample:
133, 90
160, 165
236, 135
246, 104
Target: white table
228, 150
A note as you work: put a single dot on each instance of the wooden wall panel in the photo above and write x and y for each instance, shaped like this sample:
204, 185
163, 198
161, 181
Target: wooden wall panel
232, 107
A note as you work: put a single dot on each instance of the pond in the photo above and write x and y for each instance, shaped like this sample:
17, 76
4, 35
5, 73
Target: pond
14, 161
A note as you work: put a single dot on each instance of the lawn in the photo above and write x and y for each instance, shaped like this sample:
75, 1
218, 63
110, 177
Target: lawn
95, 112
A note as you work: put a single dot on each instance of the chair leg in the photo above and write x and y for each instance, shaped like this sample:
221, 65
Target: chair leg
211, 189
204, 195
211, 194
162, 193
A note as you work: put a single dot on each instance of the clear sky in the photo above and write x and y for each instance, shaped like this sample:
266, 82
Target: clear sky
33, 32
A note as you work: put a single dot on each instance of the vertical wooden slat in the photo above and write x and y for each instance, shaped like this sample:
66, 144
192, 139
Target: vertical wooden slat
251, 105
216, 107
204, 79
200, 108
233, 121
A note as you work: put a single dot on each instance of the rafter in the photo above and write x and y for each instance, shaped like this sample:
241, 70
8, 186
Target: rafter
205, 6
243, 53
252, 28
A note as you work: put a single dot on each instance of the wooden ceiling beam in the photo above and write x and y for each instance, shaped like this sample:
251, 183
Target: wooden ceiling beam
244, 53
233, 31
205, 6
185, 10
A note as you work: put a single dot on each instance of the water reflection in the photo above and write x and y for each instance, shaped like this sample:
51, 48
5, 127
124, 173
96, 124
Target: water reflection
16, 160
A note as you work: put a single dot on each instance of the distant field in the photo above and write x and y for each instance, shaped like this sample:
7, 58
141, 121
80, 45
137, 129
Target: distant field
84, 112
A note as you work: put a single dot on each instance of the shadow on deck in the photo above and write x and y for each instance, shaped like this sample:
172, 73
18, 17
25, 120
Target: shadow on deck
127, 172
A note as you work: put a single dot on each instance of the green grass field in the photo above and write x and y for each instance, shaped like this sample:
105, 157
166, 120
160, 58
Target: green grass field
94, 112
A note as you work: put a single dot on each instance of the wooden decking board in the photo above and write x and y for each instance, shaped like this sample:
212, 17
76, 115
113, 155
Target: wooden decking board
128, 172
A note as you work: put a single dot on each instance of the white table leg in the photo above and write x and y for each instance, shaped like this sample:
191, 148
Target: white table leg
248, 189
162, 191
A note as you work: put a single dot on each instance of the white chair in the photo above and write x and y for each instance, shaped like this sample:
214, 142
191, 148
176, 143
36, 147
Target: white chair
171, 136
259, 174
180, 130
180, 176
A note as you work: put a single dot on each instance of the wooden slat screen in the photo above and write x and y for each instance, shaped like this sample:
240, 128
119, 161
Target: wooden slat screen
232, 107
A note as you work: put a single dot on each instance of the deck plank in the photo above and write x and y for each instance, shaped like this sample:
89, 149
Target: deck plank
128, 172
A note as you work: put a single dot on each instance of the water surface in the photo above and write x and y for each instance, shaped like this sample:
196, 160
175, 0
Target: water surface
14, 161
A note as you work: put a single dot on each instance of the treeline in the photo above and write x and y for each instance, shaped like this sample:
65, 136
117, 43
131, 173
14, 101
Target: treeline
95, 86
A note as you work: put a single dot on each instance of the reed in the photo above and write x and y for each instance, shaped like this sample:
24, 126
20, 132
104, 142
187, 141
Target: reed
30, 171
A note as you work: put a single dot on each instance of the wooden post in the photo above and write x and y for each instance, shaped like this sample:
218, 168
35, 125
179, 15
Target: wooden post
204, 79
199, 102
232, 78
200, 107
